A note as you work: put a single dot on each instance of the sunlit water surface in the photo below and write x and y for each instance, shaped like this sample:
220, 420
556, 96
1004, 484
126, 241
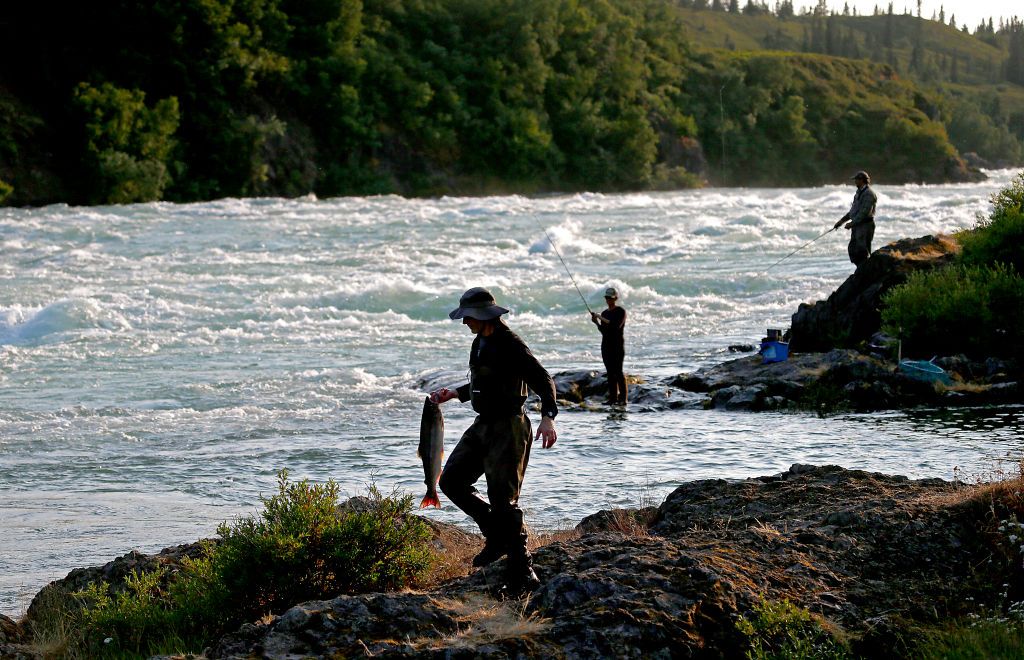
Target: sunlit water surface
159, 363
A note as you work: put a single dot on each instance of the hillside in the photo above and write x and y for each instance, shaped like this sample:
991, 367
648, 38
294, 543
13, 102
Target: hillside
973, 79
183, 100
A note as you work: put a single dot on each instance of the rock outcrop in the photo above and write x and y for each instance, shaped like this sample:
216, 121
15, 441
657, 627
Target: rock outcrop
845, 379
874, 555
865, 551
852, 313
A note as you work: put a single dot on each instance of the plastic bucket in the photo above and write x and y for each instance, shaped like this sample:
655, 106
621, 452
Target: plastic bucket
774, 351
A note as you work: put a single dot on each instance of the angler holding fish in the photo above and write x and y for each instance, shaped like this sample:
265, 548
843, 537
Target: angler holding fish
497, 445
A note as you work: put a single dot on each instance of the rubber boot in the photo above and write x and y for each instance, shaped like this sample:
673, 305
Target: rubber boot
520, 577
495, 547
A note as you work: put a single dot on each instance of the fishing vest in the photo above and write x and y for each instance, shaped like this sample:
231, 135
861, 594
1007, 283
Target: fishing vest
859, 202
494, 393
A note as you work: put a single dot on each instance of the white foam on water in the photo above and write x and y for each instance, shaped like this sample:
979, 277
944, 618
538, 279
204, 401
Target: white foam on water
156, 348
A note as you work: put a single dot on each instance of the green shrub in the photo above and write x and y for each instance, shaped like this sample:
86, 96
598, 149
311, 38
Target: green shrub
139, 620
978, 310
299, 548
1000, 238
5, 190
779, 629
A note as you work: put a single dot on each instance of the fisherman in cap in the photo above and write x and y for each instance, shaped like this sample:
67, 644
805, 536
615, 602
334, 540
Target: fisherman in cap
861, 217
497, 445
611, 322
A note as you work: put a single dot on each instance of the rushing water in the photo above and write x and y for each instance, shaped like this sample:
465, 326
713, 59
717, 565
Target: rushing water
159, 363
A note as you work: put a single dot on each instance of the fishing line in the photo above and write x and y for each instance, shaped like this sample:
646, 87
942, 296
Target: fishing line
798, 249
564, 265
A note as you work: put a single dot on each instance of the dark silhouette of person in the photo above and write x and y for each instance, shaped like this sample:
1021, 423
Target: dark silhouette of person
612, 322
497, 445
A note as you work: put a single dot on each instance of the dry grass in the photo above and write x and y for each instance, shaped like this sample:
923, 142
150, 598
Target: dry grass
455, 561
969, 388
766, 531
950, 245
541, 539
483, 620
53, 626
629, 523
1000, 485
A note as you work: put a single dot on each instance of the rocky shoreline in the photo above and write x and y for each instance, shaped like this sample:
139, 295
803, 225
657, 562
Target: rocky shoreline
874, 557
839, 359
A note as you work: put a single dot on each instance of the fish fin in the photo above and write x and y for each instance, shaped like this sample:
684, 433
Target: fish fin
430, 499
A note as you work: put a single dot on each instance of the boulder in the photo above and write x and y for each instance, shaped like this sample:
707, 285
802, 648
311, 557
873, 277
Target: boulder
10, 631
114, 573
852, 313
587, 387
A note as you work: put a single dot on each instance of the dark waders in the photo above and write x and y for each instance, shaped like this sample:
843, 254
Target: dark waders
613, 357
498, 447
860, 242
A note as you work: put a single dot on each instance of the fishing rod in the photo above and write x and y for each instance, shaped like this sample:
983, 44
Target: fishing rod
564, 265
799, 248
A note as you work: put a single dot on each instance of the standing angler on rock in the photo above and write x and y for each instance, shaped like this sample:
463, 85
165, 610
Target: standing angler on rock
612, 322
497, 445
861, 218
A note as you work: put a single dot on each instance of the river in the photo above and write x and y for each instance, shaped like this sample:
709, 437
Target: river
160, 363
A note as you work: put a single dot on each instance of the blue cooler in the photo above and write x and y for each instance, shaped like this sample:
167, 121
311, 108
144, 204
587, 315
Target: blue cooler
774, 351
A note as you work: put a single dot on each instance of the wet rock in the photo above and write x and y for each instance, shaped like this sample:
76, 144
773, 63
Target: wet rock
851, 314
589, 388
736, 397
741, 348
575, 386
865, 396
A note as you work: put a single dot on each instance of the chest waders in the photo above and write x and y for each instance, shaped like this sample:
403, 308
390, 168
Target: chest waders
496, 446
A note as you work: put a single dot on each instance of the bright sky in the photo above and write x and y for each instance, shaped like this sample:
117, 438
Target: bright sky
972, 11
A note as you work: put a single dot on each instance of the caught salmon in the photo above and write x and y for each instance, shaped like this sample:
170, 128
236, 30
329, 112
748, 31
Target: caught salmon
431, 450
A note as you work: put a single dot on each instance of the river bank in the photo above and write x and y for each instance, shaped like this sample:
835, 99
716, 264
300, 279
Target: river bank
877, 559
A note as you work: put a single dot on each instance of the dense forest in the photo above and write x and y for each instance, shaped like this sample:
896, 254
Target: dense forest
119, 100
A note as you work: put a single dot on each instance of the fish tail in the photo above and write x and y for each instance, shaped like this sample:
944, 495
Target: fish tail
430, 499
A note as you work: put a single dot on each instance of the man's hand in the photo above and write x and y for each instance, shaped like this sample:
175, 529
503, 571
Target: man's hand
547, 431
841, 221
597, 318
849, 225
442, 395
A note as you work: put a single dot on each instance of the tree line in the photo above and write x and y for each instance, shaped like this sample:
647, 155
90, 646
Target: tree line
123, 101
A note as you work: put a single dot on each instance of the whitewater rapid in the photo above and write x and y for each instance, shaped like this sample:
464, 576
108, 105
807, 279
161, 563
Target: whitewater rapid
160, 363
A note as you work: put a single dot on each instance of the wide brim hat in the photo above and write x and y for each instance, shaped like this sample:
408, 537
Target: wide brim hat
477, 303
861, 175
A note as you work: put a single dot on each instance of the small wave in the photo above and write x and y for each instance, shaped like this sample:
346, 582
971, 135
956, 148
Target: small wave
20, 327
